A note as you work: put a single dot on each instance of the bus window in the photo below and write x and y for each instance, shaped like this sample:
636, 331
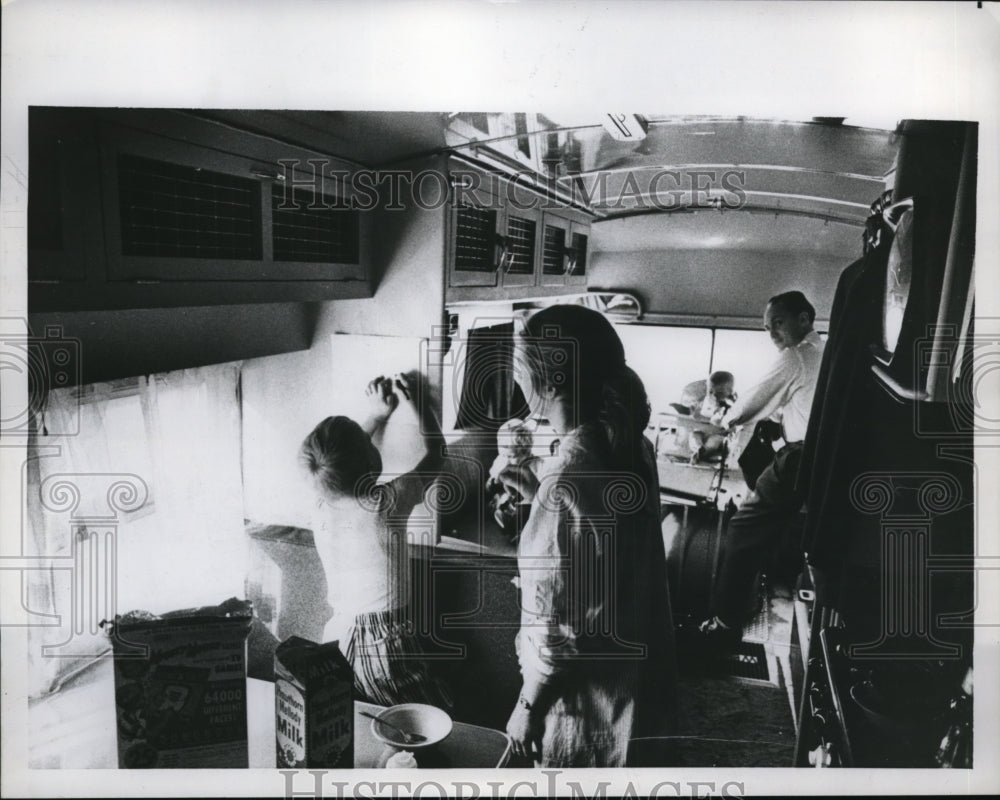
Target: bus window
746, 354
666, 358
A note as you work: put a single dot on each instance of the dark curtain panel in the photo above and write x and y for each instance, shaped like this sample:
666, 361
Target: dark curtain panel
490, 396
861, 436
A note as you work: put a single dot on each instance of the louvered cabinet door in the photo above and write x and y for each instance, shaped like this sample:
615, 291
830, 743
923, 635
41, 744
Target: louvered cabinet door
314, 233
475, 241
565, 240
576, 266
521, 262
177, 211
555, 238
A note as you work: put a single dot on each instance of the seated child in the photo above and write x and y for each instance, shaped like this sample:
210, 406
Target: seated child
514, 442
720, 395
360, 536
719, 398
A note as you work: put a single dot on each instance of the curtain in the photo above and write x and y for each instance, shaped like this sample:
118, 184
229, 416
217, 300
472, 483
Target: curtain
197, 551
490, 396
134, 501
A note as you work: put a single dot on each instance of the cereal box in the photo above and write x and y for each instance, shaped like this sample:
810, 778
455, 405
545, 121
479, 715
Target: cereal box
181, 687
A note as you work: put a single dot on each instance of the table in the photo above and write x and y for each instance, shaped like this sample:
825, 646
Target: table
684, 483
75, 728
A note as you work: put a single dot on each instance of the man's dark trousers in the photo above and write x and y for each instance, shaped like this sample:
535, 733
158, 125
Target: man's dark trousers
754, 534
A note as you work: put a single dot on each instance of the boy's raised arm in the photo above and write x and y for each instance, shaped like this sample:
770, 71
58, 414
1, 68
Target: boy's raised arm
424, 437
382, 401
416, 436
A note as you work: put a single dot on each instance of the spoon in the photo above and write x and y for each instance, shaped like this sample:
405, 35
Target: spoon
408, 738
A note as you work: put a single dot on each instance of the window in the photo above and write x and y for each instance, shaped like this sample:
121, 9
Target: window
666, 358
746, 354
521, 129
105, 547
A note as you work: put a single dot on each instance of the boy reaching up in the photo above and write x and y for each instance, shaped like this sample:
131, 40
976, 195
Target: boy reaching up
360, 536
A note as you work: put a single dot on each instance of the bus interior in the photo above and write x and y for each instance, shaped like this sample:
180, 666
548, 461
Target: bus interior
416, 241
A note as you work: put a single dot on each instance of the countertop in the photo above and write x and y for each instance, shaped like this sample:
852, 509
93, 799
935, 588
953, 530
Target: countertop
466, 538
75, 728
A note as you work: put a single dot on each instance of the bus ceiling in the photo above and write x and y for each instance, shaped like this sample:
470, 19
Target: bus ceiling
619, 165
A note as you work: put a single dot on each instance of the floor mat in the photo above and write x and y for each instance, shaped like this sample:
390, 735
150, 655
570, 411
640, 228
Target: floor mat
726, 723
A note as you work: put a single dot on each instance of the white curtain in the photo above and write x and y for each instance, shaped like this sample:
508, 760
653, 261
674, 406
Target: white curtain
198, 552
149, 472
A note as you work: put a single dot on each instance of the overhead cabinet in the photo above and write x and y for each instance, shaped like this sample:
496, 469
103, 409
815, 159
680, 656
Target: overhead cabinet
196, 213
506, 241
493, 247
134, 208
177, 211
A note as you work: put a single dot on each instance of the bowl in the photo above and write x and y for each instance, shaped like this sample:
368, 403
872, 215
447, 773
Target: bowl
428, 721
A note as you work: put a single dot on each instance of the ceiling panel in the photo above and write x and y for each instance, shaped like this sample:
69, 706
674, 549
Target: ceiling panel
825, 147
726, 230
371, 138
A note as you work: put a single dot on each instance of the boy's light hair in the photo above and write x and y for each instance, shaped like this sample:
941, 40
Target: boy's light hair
341, 457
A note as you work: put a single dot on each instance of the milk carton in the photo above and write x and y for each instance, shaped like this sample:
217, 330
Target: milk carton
313, 705
181, 687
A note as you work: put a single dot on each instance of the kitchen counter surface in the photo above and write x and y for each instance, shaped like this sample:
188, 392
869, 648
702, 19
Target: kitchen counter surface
468, 538
75, 729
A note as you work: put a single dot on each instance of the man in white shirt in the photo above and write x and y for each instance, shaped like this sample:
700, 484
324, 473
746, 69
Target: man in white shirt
785, 394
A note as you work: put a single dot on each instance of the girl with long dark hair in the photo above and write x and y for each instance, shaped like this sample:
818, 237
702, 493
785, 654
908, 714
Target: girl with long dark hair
596, 637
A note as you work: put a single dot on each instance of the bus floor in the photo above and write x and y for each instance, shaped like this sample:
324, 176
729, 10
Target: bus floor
737, 710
